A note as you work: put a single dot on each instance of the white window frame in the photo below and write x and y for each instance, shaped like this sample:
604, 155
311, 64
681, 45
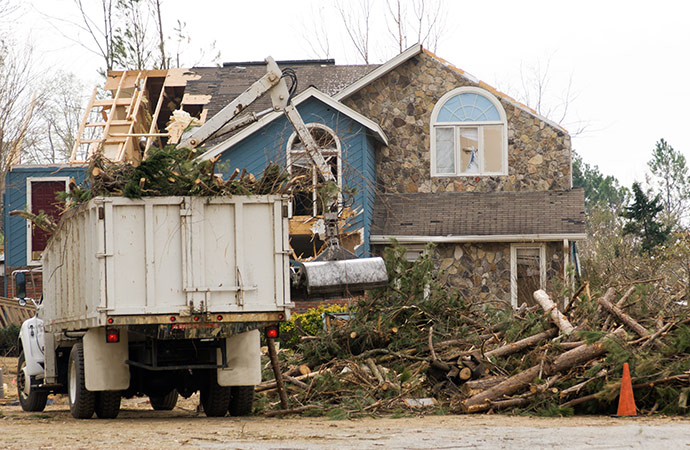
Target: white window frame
458, 125
29, 252
339, 156
513, 269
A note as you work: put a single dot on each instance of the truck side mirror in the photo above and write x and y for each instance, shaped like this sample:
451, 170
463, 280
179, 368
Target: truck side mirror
20, 287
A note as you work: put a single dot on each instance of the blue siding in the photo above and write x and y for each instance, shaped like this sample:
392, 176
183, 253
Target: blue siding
269, 144
15, 198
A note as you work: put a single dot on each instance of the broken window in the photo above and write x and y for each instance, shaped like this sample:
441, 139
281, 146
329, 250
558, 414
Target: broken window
528, 272
468, 135
305, 200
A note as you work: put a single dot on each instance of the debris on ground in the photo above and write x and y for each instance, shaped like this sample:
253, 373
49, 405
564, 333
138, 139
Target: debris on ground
418, 340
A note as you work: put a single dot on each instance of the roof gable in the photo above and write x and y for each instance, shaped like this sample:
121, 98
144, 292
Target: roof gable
310, 92
417, 49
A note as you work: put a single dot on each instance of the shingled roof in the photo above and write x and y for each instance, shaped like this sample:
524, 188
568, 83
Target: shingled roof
225, 83
480, 216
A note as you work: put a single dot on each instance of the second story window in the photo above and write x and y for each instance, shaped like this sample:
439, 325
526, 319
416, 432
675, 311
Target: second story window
468, 134
305, 199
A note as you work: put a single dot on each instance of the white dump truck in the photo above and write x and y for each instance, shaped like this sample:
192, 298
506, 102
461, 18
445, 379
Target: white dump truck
159, 296
164, 296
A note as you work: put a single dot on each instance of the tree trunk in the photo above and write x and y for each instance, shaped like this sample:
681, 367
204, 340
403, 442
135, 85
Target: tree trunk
522, 344
473, 387
626, 319
550, 308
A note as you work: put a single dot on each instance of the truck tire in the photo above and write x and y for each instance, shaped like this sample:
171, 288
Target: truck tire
82, 403
164, 402
241, 400
107, 404
34, 400
215, 398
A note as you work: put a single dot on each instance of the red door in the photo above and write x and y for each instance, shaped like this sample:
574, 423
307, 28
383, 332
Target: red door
43, 195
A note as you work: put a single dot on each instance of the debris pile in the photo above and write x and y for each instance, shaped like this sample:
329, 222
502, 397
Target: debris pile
416, 345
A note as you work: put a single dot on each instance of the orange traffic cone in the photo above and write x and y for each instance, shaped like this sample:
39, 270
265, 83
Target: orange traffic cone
626, 401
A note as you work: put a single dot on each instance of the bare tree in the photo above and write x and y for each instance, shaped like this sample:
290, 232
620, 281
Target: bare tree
425, 25
314, 31
356, 20
553, 103
18, 100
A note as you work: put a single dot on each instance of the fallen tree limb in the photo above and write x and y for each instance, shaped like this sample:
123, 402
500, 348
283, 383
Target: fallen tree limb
626, 319
550, 308
267, 386
285, 412
520, 345
516, 383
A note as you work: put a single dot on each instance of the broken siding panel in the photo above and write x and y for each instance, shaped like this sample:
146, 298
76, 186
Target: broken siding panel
270, 144
15, 199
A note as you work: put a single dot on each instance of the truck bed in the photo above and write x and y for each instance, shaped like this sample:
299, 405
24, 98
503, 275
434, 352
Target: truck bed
143, 261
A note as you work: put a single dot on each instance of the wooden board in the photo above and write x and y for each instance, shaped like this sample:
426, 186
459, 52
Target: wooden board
13, 314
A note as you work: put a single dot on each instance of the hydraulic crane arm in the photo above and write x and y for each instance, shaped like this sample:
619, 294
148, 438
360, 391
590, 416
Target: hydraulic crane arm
274, 84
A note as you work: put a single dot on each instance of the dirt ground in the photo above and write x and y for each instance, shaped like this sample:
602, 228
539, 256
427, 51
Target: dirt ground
139, 427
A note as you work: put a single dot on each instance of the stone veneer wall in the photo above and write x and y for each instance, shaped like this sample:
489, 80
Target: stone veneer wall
401, 102
482, 271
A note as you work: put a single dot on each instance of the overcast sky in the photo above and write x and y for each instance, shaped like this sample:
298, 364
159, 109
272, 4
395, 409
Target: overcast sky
627, 62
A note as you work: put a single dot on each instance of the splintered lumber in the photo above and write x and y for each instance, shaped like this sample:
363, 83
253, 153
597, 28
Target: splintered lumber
522, 344
482, 401
276, 371
626, 319
550, 308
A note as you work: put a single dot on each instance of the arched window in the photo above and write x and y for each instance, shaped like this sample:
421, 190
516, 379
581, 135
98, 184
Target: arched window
468, 134
305, 201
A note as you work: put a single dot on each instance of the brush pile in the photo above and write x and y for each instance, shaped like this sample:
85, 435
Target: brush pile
173, 171
417, 345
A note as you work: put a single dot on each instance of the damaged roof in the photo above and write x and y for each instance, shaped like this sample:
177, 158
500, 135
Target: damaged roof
479, 216
225, 83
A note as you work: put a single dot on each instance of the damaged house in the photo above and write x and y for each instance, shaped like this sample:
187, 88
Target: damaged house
423, 152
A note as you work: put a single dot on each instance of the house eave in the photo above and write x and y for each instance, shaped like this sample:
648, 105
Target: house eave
451, 239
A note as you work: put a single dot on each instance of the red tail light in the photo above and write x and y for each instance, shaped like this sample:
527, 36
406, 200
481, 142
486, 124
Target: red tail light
272, 332
112, 335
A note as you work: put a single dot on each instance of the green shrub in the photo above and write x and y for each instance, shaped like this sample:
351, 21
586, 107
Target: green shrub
309, 323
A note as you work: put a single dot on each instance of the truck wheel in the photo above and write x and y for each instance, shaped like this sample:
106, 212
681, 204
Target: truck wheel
82, 403
215, 398
107, 404
164, 402
34, 400
241, 400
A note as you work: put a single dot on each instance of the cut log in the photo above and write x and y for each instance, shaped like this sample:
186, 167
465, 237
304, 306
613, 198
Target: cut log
482, 401
473, 387
522, 344
550, 308
465, 373
626, 319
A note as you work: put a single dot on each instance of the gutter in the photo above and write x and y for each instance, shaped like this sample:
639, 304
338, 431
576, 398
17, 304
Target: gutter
411, 239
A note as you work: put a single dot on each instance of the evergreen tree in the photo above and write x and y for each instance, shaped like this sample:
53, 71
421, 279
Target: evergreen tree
642, 219
599, 189
670, 175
